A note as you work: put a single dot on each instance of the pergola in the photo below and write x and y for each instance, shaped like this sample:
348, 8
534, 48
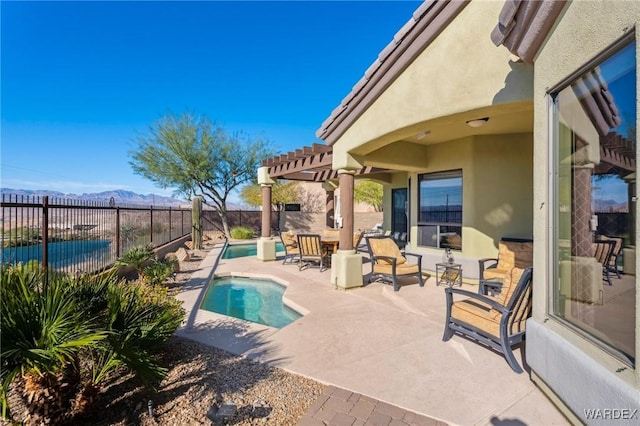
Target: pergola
314, 164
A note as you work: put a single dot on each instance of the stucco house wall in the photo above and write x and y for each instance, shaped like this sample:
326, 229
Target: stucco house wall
579, 373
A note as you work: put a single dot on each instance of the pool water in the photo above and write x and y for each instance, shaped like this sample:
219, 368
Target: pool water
249, 299
243, 250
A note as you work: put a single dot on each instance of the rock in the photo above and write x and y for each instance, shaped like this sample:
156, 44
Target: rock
182, 255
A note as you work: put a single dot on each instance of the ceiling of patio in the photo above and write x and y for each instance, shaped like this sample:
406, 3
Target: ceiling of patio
503, 119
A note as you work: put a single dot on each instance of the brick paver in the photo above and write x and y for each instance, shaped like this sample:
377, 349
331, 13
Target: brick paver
340, 407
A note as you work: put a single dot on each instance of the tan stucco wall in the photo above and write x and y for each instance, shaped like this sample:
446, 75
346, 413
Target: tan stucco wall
461, 70
497, 189
585, 30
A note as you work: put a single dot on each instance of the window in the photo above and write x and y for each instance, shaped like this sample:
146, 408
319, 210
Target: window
440, 210
594, 201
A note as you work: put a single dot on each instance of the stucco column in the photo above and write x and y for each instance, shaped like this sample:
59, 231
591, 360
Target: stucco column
581, 232
266, 246
266, 211
329, 203
346, 208
346, 265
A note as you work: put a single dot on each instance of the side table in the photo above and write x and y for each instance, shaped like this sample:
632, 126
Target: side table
449, 274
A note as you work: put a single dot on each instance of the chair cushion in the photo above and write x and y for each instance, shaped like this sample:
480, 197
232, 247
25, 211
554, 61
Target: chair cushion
478, 314
509, 284
402, 269
386, 247
512, 254
493, 273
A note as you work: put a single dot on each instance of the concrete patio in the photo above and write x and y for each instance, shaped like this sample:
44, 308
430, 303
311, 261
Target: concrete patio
372, 341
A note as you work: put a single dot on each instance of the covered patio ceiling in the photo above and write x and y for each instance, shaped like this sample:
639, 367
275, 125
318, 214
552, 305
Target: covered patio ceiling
313, 164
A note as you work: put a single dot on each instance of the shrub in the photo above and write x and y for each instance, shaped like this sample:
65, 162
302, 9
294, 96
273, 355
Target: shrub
241, 233
61, 337
159, 270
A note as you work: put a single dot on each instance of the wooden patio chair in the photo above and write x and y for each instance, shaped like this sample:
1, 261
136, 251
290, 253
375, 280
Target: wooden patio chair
497, 322
312, 251
290, 243
387, 262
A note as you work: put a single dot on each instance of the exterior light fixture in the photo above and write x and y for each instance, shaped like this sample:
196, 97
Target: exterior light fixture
421, 135
478, 122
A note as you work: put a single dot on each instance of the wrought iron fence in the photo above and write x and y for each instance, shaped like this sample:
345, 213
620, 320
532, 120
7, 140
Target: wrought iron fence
77, 235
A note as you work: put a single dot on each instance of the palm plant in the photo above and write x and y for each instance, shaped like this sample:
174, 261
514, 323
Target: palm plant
137, 258
62, 337
42, 333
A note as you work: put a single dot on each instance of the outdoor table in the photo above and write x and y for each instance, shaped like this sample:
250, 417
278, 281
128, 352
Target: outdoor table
449, 274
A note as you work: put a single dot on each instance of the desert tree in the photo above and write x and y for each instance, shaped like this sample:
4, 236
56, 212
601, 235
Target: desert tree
368, 192
282, 192
199, 158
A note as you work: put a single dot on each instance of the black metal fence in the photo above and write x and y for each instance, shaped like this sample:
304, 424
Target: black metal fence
78, 235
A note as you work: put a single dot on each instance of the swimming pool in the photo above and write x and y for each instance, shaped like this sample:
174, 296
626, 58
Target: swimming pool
242, 250
251, 299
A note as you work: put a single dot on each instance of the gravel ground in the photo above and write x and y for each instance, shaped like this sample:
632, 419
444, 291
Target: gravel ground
200, 377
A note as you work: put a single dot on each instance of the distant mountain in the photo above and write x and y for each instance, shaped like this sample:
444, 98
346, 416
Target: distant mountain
609, 206
120, 196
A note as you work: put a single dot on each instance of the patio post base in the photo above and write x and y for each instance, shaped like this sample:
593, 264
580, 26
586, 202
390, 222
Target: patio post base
266, 249
346, 269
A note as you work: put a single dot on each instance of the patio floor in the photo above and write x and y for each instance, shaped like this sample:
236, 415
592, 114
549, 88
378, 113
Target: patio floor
375, 342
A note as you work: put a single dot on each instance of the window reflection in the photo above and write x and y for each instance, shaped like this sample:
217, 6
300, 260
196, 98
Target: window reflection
595, 282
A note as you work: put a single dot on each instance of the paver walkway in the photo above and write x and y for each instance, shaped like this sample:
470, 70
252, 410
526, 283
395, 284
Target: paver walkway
341, 407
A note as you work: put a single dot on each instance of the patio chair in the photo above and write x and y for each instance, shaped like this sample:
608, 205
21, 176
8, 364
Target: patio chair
387, 262
357, 240
497, 322
512, 253
291, 251
617, 248
311, 251
602, 251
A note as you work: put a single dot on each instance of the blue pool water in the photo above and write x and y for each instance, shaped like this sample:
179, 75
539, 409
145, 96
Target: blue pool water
243, 250
61, 254
249, 299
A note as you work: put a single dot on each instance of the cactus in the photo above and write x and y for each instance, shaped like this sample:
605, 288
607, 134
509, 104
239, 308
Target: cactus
196, 220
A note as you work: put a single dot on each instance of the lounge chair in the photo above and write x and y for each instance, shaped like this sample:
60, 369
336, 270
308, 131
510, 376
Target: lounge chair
512, 253
497, 322
311, 251
387, 262
290, 244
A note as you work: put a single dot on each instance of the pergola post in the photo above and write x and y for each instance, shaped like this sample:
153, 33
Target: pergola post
346, 264
329, 189
266, 246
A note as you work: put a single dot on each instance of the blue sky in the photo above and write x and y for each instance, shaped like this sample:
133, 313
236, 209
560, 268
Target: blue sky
80, 80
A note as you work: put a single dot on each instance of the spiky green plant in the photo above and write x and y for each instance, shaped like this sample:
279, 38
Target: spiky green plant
158, 271
137, 258
64, 336
42, 332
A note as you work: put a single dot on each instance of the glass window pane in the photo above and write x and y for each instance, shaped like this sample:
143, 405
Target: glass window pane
440, 209
595, 190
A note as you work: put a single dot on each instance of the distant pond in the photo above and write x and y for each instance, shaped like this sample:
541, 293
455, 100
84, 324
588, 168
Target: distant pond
61, 254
